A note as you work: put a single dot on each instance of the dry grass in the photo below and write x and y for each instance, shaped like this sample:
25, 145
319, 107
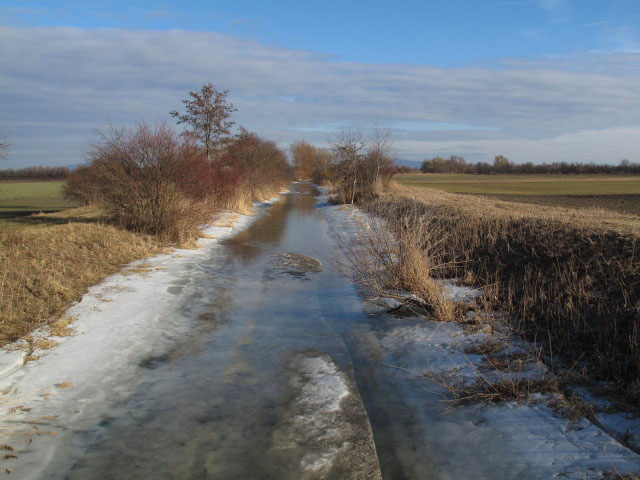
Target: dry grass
242, 198
48, 261
406, 260
495, 380
500, 389
615, 475
62, 327
487, 346
44, 268
569, 280
241, 201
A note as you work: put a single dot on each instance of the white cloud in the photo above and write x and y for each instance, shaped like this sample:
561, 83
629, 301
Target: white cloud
57, 84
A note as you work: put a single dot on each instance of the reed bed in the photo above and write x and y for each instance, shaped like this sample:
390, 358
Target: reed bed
570, 285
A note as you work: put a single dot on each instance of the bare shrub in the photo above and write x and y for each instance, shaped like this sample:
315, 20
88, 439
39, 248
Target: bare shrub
360, 168
263, 167
322, 173
83, 185
304, 156
151, 182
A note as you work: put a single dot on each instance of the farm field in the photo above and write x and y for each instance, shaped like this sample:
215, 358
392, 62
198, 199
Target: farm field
525, 184
618, 193
20, 198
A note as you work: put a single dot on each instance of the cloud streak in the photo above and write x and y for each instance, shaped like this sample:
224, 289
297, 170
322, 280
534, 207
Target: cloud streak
57, 84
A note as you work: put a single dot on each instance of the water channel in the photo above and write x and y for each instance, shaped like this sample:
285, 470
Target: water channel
286, 372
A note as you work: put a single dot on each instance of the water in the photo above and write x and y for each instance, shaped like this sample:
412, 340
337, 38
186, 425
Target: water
282, 373
219, 403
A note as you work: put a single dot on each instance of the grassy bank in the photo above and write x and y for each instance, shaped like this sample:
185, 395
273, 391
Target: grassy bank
569, 279
47, 262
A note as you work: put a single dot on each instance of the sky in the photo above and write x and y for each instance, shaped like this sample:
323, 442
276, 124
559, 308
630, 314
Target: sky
535, 80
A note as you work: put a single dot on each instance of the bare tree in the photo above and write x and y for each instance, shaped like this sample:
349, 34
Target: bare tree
347, 147
207, 113
379, 149
4, 147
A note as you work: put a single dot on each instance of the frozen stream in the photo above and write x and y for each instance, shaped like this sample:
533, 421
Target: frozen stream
260, 369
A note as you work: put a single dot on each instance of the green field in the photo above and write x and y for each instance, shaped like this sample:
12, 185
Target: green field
19, 198
525, 184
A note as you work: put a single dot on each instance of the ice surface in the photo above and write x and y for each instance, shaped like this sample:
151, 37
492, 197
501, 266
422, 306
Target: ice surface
119, 323
326, 423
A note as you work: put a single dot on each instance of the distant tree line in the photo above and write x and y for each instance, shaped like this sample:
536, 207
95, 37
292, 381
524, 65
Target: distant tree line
35, 173
502, 165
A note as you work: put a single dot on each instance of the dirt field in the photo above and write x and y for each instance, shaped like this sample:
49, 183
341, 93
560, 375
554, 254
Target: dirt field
617, 193
629, 204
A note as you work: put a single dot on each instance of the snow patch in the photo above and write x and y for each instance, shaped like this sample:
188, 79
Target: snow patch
324, 387
324, 428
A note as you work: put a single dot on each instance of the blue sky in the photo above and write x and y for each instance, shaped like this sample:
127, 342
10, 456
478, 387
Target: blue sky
436, 32
537, 80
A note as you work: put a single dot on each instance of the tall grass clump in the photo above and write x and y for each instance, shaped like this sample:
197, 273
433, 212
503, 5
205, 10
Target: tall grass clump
575, 289
388, 260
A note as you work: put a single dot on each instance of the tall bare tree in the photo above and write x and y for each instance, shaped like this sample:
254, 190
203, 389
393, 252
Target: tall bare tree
207, 114
379, 149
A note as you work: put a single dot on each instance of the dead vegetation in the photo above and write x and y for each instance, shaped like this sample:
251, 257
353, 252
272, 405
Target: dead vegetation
386, 264
496, 389
44, 268
145, 188
503, 375
569, 281
616, 475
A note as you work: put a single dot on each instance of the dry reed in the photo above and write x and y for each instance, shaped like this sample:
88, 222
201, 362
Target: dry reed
45, 268
386, 264
569, 284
